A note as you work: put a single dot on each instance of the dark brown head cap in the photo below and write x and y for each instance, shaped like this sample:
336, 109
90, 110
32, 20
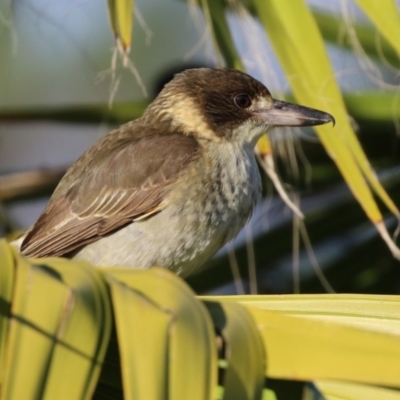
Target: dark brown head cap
209, 94
216, 89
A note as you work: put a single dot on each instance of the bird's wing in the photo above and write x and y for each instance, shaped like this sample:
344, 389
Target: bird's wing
130, 183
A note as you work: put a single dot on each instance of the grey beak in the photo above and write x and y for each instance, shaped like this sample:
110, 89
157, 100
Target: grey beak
288, 114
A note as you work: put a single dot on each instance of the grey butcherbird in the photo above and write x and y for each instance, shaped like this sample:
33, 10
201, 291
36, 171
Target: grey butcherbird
172, 187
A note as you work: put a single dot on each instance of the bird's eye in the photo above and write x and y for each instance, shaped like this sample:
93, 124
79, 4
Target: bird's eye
242, 100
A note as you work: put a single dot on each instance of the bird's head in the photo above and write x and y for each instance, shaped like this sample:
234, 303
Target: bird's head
226, 104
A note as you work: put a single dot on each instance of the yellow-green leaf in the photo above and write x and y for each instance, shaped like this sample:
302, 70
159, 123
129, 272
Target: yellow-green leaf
33, 331
44, 357
299, 46
121, 18
385, 16
268, 395
88, 311
352, 391
340, 337
191, 335
142, 330
7, 262
246, 361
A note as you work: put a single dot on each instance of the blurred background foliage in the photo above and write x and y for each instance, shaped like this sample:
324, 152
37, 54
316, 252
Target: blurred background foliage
59, 72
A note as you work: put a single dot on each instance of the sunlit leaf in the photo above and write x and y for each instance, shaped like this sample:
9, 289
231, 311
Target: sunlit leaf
191, 334
48, 307
308, 337
246, 361
385, 17
142, 330
87, 311
353, 391
296, 40
121, 17
6, 291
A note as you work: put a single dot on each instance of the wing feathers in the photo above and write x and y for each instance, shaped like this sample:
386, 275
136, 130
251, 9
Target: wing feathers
125, 186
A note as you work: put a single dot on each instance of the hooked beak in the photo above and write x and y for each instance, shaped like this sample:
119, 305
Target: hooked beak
283, 113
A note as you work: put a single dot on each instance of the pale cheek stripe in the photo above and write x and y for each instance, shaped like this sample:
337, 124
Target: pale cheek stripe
186, 115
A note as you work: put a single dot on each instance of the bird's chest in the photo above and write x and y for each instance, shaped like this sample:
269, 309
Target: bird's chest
230, 190
219, 196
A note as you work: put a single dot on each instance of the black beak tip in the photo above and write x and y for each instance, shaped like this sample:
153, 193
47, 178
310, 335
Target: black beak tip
320, 118
330, 118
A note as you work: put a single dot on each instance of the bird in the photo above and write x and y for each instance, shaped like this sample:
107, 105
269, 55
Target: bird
170, 188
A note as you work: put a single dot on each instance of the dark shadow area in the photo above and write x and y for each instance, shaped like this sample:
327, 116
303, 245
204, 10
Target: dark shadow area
286, 390
109, 386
